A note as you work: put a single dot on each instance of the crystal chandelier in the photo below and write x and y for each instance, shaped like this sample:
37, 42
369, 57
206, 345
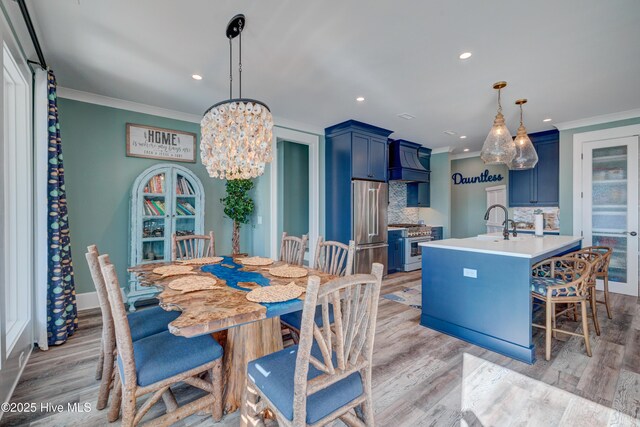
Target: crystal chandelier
498, 147
526, 156
235, 135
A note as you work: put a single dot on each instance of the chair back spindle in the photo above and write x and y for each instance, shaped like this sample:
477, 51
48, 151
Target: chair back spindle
122, 331
355, 303
193, 246
292, 249
334, 258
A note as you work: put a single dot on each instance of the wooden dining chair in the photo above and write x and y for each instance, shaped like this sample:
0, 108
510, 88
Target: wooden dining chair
292, 248
561, 280
143, 323
333, 258
595, 259
603, 273
155, 363
328, 375
193, 246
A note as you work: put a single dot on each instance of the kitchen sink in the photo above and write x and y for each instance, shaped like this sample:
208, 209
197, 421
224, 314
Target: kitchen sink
496, 238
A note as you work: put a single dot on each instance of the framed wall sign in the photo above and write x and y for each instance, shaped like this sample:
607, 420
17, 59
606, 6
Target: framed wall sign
158, 143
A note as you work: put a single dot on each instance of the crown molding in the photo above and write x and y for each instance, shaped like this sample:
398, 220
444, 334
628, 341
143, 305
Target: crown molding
605, 118
465, 155
439, 150
93, 98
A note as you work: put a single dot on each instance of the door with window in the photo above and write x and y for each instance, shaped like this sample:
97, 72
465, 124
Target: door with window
610, 206
16, 220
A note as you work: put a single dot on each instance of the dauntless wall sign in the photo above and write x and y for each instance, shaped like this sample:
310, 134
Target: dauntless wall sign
163, 144
485, 176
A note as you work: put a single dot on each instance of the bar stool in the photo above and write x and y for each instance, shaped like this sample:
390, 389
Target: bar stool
596, 260
561, 280
603, 273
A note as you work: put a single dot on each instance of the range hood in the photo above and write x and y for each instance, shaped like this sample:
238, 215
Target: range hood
404, 163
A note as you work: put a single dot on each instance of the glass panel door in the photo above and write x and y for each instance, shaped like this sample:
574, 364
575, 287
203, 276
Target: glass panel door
185, 207
610, 207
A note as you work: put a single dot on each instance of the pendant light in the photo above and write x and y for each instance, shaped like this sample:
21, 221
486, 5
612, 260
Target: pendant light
235, 140
498, 147
526, 156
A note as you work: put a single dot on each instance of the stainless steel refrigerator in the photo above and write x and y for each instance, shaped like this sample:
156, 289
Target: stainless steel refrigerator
369, 224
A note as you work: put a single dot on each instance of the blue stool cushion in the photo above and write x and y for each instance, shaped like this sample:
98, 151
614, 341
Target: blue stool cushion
164, 355
295, 319
539, 286
150, 321
274, 375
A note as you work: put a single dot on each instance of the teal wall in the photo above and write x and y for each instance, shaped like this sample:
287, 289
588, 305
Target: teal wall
566, 168
469, 201
293, 186
440, 210
99, 177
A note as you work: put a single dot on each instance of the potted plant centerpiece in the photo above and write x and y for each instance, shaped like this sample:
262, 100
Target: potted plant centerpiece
238, 206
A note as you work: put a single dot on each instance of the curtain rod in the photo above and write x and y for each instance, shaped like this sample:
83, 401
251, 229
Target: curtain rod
32, 33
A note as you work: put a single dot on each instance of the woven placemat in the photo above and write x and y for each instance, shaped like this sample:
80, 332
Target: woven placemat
255, 261
192, 284
288, 271
203, 261
275, 293
179, 273
172, 270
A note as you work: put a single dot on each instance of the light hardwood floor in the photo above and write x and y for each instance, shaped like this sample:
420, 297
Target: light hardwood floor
421, 377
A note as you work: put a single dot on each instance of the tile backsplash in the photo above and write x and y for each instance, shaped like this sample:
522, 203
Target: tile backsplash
398, 212
551, 216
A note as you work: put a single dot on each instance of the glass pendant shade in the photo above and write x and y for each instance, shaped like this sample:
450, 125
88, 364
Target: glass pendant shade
526, 156
498, 147
235, 141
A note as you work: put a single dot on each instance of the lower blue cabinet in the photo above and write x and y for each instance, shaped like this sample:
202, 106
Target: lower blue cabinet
396, 251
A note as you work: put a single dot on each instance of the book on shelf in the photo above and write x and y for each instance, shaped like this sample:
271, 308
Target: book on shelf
154, 207
183, 186
155, 184
185, 208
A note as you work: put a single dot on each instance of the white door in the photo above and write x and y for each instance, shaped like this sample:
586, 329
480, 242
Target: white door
610, 206
496, 195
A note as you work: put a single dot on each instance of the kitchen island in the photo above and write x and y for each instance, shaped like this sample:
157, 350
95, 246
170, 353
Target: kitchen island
478, 289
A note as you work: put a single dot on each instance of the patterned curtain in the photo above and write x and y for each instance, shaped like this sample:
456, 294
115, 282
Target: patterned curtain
62, 315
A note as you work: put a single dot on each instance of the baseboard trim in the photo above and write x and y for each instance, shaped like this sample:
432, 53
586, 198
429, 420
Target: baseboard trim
87, 300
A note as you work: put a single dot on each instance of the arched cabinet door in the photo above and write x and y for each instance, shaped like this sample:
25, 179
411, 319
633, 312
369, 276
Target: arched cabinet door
165, 199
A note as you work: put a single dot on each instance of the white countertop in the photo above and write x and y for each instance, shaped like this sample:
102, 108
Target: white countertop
524, 246
396, 228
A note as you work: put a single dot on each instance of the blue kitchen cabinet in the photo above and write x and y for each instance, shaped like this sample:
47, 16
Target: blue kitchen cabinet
538, 186
419, 193
353, 150
396, 251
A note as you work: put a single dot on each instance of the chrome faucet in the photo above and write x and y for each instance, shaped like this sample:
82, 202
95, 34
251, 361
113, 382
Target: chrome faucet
505, 231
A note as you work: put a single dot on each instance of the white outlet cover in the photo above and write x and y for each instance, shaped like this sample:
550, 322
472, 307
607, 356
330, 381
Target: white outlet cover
469, 272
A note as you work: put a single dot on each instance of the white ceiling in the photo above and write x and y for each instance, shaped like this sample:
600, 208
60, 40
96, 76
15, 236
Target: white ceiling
308, 61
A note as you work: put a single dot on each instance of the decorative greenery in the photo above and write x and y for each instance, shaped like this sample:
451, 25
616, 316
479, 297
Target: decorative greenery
238, 205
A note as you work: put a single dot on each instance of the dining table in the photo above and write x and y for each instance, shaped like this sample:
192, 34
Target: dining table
253, 329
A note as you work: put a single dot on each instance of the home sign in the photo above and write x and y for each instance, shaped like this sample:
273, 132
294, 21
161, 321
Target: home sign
158, 143
485, 176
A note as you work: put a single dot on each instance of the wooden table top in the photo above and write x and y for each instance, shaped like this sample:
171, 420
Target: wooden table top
208, 311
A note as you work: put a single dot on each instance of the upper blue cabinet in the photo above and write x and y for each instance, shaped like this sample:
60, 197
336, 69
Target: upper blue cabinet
363, 148
538, 186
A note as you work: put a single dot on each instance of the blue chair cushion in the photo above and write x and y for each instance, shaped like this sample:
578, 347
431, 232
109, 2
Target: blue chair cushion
295, 319
164, 355
274, 375
539, 286
150, 321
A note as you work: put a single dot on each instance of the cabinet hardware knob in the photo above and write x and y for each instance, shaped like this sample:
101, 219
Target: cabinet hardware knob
633, 233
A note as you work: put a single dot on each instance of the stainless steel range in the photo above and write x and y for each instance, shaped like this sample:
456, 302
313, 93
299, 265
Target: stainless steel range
413, 234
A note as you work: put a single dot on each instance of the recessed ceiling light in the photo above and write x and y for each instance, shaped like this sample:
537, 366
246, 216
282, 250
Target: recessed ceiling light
449, 132
548, 119
360, 99
196, 77
465, 55
463, 136
465, 150
406, 116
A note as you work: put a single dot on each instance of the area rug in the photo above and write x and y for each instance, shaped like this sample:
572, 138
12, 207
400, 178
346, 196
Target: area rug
407, 296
